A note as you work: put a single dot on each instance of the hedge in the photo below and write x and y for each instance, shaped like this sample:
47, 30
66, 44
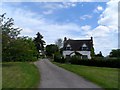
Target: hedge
114, 63
59, 58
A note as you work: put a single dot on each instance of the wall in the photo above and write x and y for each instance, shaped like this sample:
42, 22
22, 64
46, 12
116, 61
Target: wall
81, 52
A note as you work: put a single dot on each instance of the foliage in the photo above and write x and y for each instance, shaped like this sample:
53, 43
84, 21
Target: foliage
115, 53
15, 48
75, 59
59, 42
59, 58
19, 75
51, 49
39, 43
114, 63
21, 49
92, 52
99, 54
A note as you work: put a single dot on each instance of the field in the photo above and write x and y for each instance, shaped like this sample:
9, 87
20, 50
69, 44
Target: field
104, 77
19, 75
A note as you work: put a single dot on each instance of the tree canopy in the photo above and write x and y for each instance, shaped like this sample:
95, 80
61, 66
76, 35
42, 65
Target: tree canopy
99, 54
115, 53
51, 49
15, 48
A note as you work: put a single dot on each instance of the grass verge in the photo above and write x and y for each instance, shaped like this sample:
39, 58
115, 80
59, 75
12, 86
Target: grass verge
104, 77
19, 75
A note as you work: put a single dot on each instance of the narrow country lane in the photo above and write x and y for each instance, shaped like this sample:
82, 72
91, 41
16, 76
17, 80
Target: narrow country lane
53, 76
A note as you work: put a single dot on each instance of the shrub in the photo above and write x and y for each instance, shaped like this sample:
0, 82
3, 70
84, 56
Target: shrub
59, 58
75, 59
113, 63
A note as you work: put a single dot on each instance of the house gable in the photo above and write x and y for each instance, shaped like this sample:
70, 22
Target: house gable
81, 46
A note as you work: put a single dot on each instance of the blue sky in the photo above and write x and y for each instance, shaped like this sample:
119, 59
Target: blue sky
75, 20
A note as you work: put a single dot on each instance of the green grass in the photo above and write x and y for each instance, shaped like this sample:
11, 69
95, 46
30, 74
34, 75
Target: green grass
0, 75
104, 77
19, 75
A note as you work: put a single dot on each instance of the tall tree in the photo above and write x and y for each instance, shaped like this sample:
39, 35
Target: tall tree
59, 42
39, 43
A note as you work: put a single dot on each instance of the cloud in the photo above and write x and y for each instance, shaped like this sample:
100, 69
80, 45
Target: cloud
60, 5
84, 17
106, 33
100, 31
109, 17
33, 23
48, 12
86, 27
98, 9
54, 0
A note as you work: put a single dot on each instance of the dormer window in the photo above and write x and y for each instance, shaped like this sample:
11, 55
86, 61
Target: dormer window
68, 47
84, 47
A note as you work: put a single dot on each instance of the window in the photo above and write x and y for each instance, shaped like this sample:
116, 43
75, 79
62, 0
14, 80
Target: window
68, 47
84, 47
84, 57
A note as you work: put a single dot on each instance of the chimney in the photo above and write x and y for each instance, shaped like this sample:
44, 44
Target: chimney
65, 39
91, 38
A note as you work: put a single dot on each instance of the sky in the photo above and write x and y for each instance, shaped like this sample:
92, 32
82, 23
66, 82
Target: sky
74, 19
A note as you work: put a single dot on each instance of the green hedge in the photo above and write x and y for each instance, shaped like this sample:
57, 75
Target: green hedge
114, 63
59, 58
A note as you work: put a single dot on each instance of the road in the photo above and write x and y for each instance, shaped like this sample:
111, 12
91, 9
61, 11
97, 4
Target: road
53, 76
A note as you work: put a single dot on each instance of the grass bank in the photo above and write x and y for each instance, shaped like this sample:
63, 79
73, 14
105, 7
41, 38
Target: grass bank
19, 75
104, 77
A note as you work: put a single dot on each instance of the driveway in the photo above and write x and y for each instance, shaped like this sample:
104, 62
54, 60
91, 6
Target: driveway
53, 76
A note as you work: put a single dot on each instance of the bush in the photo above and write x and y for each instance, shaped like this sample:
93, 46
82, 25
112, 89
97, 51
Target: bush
113, 63
75, 59
59, 58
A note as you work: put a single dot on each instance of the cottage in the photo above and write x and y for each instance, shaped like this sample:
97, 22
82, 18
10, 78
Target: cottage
81, 47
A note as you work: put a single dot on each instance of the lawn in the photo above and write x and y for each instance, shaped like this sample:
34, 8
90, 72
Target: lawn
19, 75
104, 77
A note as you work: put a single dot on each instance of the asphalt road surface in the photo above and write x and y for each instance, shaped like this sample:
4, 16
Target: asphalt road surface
53, 76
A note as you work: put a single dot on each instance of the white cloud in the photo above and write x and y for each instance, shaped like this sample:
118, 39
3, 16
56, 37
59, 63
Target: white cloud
48, 12
56, 6
99, 31
86, 27
54, 0
106, 33
98, 9
33, 23
109, 17
84, 17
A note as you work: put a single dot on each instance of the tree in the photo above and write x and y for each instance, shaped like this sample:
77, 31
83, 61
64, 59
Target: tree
9, 34
15, 48
39, 43
99, 54
51, 49
115, 53
59, 42
92, 52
